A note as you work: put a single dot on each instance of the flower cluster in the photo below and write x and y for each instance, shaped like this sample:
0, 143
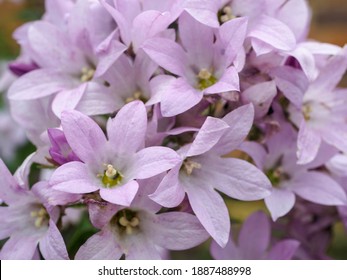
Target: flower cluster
150, 115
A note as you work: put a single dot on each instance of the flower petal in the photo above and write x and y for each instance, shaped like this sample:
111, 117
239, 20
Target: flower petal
208, 135
179, 97
126, 132
152, 161
52, 245
20, 247
318, 188
308, 144
170, 192
280, 202
162, 50
101, 246
240, 122
254, 236
122, 195
210, 209
85, 137
74, 177
40, 83
175, 230
236, 178
284, 250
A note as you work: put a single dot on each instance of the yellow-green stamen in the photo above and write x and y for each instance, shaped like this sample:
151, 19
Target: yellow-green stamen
205, 79
111, 177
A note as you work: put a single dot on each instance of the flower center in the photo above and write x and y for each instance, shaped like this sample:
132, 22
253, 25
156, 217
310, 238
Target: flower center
225, 14
189, 166
40, 216
87, 74
127, 221
306, 111
205, 79
276, 176
111, 176
136, 96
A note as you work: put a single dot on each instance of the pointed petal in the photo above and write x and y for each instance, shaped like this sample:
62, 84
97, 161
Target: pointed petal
122, 22
52, 245
170, 192
85, 137
240, 121
236, 178
204, 11
197, 39
228, 82
208, 135
280, 202
48, 41
254, 237
122, 195
179, 97
261, 96
273, 32
175, 230
74, 177
292, 82
335, 135
318, 188
101, 246
9, 189
40, 83
20, 247
147, 25
139, 247
108, 55
162, 50
152, 161
126, 132
331, 73
308, 144
233, 34
229, 252
99, 100
68, 99
284, 250
210, 209
256, 151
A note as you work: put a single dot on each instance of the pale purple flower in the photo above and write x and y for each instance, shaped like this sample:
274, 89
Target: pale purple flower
202, 171
110, 165
290, 179
139, 232
28, 220
265, 32
253, 243
202, 66
320, 111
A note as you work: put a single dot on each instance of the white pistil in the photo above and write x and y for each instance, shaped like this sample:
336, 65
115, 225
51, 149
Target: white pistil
40, 215
227, 14
87, 74
190, 165
111, 172
129, 225
204, 74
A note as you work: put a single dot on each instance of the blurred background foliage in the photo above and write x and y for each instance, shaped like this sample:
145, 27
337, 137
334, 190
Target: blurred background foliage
329, 25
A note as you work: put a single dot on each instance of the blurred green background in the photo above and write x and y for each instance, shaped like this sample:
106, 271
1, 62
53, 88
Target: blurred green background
329, 25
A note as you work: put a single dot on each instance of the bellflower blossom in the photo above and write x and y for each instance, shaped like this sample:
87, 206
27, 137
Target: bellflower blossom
253, 242
151, 118
110, 165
